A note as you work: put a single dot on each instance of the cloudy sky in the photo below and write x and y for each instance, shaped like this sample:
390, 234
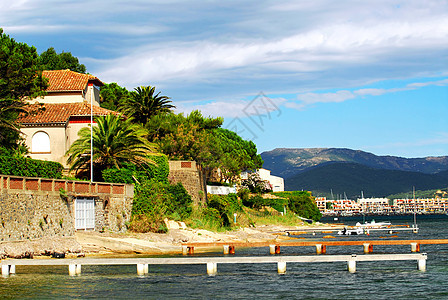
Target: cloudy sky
369, 75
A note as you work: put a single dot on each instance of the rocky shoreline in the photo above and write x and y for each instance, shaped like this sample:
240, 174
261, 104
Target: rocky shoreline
91, 243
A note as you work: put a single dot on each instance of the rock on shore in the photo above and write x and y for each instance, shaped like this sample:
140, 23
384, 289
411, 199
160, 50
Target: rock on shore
45, 246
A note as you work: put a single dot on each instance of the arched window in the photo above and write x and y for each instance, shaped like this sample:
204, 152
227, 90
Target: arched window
40, 142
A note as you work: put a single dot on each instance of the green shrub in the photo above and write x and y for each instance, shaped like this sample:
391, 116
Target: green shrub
27, 167
226, 205
130, 173
181, 201
302, 203
154, 201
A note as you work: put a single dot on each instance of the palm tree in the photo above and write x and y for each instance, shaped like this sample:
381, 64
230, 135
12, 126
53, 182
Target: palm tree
143, 104
115, 142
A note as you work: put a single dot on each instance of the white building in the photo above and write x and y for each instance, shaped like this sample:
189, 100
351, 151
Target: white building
276, 182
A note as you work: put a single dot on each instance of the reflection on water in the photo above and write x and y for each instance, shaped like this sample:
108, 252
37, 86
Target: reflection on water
379, 280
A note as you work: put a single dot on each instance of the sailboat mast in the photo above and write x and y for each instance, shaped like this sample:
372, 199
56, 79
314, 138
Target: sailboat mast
413, 195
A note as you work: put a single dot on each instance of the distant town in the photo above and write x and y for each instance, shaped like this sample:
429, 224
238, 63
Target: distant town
382, 206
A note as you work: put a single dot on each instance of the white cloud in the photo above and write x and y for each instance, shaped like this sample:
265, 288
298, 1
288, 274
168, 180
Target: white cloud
280, 47
343, 95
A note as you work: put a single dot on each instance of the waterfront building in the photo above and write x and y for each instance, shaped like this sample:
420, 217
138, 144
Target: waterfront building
72, 98
277, 183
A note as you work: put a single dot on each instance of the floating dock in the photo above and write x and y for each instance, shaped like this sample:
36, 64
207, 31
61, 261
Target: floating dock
8, 266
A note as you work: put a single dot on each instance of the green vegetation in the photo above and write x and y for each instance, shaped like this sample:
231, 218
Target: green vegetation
111, 95
20, 78
142, 104
27, 167
155, 201
115, 142
131, 173
301, 203
50, 60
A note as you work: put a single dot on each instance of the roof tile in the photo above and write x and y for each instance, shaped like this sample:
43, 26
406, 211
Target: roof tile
66, 80
60, 113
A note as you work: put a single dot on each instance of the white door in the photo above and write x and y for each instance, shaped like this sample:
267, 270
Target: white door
85, 213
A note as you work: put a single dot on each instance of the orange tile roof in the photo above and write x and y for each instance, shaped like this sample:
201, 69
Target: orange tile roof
57, 113
66, 80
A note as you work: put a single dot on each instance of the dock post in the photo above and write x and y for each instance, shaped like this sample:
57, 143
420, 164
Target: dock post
232, 249
212, 268
225, 249
281, 267
414, 228
140, 269
146, 268
277, 249
351, 264
72, 269
415, 247
12, 269
184, 250
321, 249
5, 270
422, 263
78, 270
271, 249
368, 248
191, 250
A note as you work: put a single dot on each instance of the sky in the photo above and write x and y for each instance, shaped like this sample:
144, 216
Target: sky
368, 75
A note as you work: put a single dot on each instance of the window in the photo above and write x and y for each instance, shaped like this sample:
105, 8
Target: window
40, 142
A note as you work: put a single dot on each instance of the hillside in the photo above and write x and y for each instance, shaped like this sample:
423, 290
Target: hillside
352, 178
287, 162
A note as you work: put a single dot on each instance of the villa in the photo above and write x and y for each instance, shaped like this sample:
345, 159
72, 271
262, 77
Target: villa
72, 100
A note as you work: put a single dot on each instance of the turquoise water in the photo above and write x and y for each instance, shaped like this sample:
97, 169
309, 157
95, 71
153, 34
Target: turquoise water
373, 280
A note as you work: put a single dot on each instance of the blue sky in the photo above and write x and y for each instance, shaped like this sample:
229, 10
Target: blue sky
369, 75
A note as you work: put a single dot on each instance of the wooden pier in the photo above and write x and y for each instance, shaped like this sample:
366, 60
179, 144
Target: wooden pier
8, 266
321, 246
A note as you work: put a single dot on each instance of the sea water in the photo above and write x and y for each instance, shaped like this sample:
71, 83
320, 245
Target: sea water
372, 280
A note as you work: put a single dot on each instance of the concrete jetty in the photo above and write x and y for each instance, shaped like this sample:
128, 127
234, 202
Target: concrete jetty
8, 266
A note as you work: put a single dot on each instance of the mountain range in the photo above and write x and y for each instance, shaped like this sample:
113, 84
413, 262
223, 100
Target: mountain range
340, 170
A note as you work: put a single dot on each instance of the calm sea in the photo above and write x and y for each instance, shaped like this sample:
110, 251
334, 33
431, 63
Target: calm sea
373, 280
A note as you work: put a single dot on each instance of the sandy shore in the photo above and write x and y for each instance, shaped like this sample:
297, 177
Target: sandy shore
91, 243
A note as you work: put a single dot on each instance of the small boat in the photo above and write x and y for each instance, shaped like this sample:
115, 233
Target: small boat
346, 231
373, 224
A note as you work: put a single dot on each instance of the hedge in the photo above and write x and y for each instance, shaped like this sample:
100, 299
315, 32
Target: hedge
158, 171
27, 167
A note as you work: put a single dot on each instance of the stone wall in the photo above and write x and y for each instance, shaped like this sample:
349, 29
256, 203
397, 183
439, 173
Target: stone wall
32, 208
190, 176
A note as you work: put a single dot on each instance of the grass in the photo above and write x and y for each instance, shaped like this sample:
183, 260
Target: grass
247, 218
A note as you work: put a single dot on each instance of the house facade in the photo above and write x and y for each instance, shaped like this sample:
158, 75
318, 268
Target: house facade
276, 182
72, 100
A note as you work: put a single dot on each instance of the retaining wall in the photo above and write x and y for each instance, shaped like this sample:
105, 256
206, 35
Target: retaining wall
190, 176
33, 208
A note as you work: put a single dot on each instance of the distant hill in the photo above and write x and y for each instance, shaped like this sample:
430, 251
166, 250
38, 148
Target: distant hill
288, 162
352, 178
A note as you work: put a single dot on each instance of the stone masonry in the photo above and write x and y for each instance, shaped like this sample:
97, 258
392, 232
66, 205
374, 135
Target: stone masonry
32, 208
188, 173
